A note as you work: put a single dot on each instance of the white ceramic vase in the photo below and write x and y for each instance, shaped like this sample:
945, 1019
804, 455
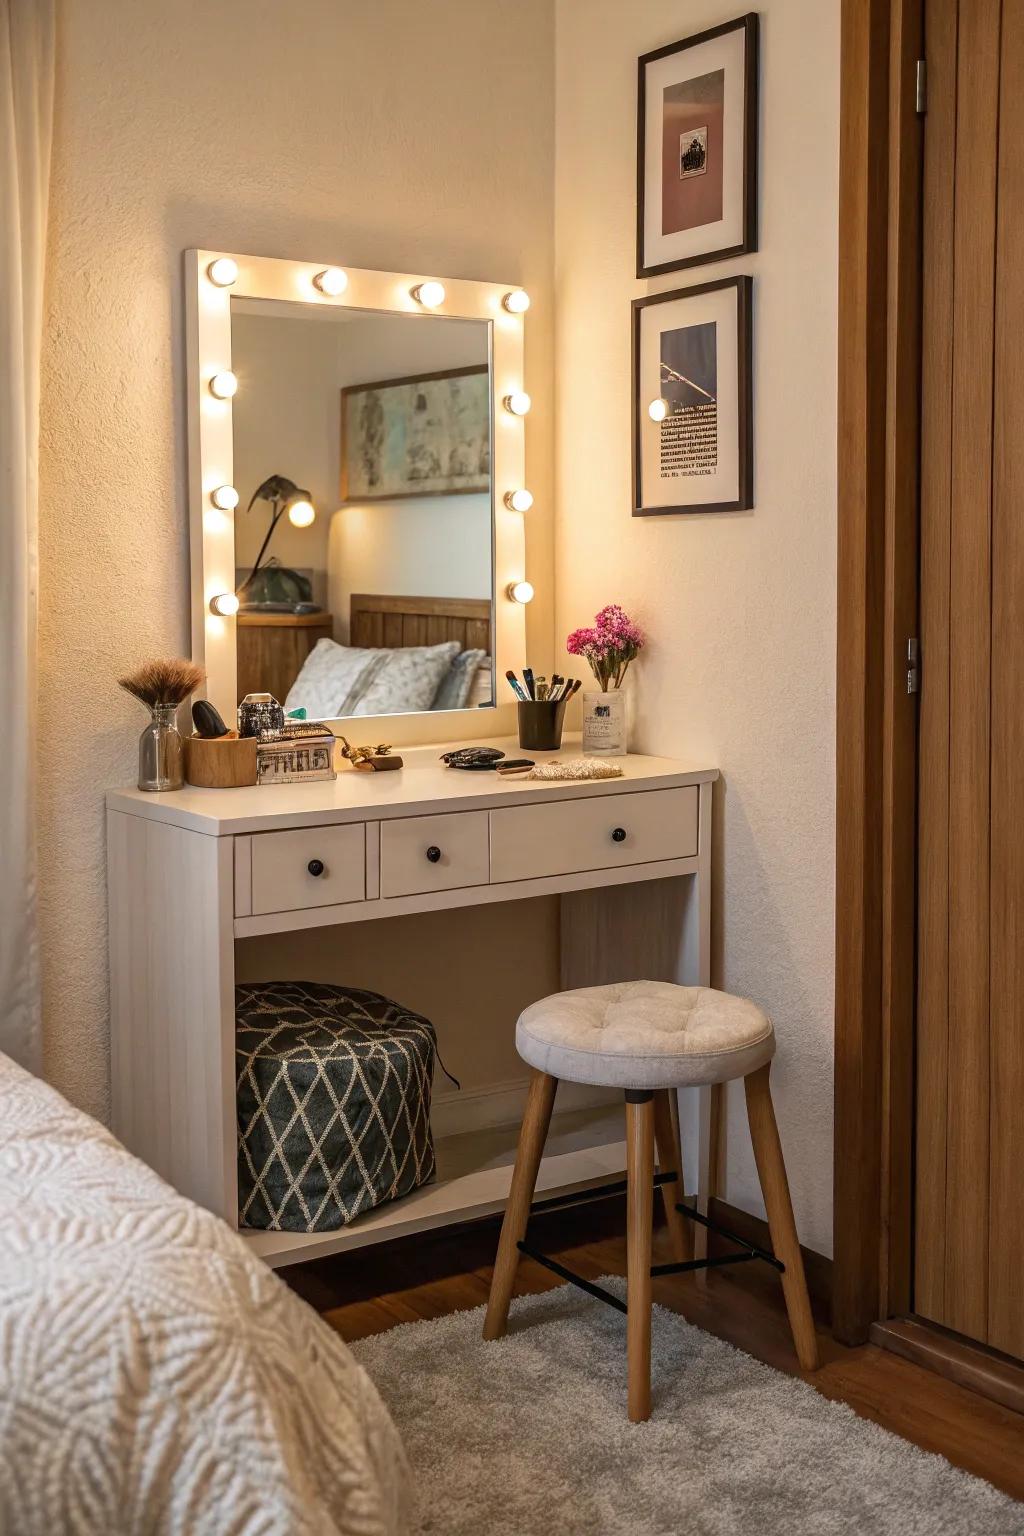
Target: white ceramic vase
604, 723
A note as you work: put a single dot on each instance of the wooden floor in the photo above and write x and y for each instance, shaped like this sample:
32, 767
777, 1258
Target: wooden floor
372, 1289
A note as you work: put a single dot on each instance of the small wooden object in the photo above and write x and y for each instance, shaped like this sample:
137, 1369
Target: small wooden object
221, 762
372, 759
378, 764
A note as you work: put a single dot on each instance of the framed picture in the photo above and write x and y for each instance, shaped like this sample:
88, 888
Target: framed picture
427, 435
697, 149
693, 448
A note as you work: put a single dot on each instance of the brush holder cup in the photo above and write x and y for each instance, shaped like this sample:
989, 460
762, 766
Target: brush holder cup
540, 724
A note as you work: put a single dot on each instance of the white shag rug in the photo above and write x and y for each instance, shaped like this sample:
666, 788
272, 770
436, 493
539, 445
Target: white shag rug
529, 1436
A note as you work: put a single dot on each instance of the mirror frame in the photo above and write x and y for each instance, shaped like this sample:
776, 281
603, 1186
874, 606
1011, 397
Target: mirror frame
211, 451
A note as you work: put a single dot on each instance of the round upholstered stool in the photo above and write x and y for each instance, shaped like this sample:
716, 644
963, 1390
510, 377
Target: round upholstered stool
650, 1039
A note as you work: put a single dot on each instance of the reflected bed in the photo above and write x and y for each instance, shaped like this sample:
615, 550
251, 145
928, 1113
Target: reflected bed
405, 654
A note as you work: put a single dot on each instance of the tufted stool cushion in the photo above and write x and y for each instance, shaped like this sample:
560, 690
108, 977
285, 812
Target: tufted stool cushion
645, 1034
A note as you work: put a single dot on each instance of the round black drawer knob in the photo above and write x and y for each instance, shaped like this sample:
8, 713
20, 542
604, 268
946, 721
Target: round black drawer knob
434, 855
619, 835
315, 866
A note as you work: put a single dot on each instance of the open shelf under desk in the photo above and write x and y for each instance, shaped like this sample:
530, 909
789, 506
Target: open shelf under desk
585, 1148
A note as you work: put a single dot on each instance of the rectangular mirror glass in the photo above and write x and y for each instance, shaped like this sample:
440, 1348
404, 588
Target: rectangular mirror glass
364, 533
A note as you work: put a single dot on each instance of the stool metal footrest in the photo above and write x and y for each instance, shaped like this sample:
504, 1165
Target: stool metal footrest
750, 1250
747, 1251
573, 1279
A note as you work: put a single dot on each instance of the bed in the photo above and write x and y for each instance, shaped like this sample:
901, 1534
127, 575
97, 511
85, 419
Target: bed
405, 655
155, 1376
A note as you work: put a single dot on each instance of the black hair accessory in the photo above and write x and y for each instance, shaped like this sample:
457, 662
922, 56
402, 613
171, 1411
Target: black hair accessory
473, 757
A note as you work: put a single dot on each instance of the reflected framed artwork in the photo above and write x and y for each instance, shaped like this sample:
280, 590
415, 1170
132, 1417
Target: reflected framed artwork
697, 149
693, 447
427, 435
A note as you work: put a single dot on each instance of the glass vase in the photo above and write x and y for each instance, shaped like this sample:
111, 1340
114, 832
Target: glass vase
604, 722
160, 752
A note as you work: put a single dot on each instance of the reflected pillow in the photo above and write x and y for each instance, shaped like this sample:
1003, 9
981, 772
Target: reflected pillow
332, 678
407, 680
481, 692
339, 680
457, 683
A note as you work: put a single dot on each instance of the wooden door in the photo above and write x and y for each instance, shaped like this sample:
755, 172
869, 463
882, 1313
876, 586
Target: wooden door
969, 1205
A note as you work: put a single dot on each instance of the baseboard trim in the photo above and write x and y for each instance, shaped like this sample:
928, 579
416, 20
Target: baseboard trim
754, 1229
456, 1111
948, 1354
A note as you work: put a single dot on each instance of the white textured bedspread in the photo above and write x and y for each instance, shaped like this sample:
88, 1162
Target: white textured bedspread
154, 1377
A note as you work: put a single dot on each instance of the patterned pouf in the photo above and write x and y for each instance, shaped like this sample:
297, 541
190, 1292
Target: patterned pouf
333, 1103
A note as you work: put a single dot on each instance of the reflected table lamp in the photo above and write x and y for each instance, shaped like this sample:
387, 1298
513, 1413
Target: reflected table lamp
271, 586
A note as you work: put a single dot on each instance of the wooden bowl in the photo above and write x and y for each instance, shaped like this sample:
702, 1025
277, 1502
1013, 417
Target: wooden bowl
225, 762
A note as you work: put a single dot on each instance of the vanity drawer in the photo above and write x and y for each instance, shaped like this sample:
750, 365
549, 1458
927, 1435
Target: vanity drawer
433, 853
560, 837
313, 867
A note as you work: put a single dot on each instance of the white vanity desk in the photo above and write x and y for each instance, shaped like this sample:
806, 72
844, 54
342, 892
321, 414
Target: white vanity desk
191, 872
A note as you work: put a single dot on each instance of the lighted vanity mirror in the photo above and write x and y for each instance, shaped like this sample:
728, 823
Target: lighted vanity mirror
363, 533
357, 488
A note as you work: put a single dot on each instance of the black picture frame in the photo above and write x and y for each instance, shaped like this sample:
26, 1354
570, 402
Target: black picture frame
749, 24
744, 286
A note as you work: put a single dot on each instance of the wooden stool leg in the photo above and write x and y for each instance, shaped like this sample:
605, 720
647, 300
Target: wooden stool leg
532, 1136
670, 1160
771, 1170
639, 1218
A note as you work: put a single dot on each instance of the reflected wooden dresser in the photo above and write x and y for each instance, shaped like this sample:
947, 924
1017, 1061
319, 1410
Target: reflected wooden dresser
272, 648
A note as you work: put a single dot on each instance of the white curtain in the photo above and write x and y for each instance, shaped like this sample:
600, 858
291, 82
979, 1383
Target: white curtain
26, 118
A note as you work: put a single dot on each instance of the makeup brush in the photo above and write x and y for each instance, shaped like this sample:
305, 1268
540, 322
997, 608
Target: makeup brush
514, 683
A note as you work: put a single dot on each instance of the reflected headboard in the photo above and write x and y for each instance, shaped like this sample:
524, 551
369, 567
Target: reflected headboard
377, 620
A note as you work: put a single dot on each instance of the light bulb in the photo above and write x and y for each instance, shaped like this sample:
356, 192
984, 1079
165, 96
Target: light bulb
225, 497
225, 604
430, 295
223, 385
518, 402
301, 513
521, 592
516, 302
658, 410
332, 281
519, 501
223, 272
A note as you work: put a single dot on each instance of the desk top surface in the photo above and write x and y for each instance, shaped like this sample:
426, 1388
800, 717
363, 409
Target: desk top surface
424, 786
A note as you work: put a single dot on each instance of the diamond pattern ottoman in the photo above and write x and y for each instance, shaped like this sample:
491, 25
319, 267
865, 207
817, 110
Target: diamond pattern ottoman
333, 1088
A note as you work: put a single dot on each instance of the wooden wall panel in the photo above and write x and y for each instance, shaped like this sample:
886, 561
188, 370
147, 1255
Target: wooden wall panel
863, 235
966, 1302
933, 731
900, 714
1006, 1187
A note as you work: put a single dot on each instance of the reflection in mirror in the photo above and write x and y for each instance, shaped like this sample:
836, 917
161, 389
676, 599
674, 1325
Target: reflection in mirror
364, 531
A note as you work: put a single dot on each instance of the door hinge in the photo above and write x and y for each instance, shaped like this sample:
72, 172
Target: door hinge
921, 88
913, 666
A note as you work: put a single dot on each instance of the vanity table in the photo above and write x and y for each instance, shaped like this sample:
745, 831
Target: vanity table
419, 487
191, 873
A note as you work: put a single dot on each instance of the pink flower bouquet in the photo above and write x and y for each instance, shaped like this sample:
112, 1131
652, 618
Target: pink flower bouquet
609, 647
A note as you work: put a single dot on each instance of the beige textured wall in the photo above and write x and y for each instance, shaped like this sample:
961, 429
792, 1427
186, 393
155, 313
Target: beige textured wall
740, 608
395, 134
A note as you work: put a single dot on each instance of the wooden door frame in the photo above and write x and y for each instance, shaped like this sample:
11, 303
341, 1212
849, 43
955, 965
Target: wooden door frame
881, 145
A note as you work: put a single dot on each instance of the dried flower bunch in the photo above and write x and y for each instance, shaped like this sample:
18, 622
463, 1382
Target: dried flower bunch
161, 684
609, 647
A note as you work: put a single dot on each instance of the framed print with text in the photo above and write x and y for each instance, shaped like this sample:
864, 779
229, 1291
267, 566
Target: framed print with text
697, 149
693, 448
